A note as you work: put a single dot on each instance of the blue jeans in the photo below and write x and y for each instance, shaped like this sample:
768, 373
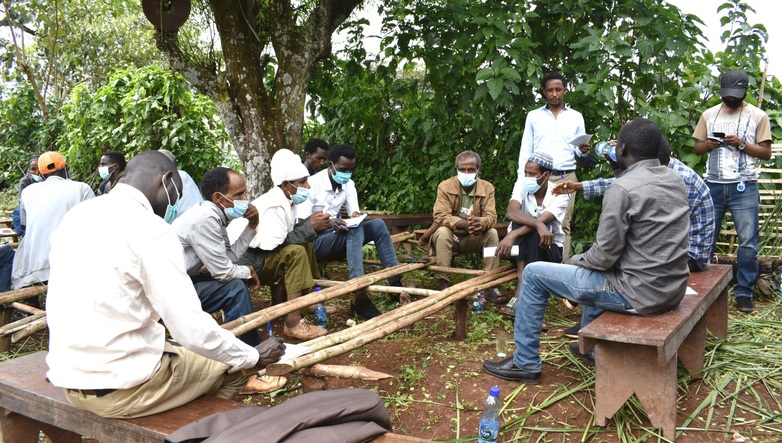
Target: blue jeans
6, 263
232, 297
16, 220
743, 207
540, 279
330, 246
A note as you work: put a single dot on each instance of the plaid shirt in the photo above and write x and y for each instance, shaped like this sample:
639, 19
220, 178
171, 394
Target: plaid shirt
701, 207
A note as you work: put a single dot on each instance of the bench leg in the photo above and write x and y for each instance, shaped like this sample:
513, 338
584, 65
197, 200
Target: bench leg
15, 428
460, 318
5, 318
691, 351
619, 370
717, 316
399, 230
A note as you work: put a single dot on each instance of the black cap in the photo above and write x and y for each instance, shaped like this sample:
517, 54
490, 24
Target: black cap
734, 84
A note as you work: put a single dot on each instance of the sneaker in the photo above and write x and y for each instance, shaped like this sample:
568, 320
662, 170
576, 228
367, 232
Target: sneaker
588, 358
495, 296
264, 383
744, 304
304, 331
572, 331
364, 309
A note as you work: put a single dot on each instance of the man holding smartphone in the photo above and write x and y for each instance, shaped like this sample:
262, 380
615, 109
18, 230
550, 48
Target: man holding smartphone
734, 134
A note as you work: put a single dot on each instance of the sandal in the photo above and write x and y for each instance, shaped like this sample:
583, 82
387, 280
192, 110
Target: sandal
495, 296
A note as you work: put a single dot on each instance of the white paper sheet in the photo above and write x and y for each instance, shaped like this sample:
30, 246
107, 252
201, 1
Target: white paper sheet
488, 252
581, 139
355, 221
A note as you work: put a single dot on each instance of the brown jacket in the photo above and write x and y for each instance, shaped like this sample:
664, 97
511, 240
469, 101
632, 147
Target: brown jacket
449, 202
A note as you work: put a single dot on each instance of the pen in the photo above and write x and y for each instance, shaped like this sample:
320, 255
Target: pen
269, 328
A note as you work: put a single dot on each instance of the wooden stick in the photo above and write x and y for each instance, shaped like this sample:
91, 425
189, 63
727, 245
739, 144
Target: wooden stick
762, 86
377, 332
19, 324
29, 330
449, 270
387, 289
257, 319
21, 294
27, 308
348, 372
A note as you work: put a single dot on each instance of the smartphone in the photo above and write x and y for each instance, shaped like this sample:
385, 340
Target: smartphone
718, 134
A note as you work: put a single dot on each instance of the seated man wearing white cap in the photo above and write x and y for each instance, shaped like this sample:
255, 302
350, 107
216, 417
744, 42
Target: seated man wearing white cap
281, 249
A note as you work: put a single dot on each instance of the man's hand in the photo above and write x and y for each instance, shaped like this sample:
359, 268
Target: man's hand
504, 247
732, 140
338, 225
253, 282
461, 225
270, 351
252, 215
546, 237
319, 221
566, 187
474, 225
584, 148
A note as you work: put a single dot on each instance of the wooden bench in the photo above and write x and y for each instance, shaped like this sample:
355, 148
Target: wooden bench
638, 355
31, 404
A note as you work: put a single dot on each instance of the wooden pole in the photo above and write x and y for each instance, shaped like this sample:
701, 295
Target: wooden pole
449, 270
29, 330
762, 86
376, 331
257, 319
19, 324
387, 289
21, 294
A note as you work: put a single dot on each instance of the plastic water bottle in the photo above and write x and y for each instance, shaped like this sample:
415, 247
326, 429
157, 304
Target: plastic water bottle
320, 313
489, 429
603, 148
478, 305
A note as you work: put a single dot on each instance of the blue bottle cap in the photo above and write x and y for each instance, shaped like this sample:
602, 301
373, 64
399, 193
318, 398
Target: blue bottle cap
494, 391
316, 288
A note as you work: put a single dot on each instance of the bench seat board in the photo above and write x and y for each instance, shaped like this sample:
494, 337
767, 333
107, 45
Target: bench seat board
638, 355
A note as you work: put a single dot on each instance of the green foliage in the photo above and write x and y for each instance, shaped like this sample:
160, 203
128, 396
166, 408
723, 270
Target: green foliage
462, 75
141, 109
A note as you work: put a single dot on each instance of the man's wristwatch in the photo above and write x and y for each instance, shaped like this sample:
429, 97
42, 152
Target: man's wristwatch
742, 145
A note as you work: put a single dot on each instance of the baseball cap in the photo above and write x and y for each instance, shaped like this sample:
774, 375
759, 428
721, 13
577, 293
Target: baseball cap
50, 161
734, 84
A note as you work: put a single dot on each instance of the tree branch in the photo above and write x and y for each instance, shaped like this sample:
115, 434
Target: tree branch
202, 76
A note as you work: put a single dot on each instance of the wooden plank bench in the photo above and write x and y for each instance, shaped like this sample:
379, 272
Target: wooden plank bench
31, 404
638, 355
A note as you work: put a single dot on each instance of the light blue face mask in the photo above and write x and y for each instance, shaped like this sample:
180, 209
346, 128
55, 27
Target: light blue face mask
466, 179
238, 209
301, 195
171, 210
36, 178
341, 177
531, 184
104, 172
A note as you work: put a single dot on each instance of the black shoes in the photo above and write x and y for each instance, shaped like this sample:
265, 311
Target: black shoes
744, 304
364, 309
572, 331
588, 358
505, 369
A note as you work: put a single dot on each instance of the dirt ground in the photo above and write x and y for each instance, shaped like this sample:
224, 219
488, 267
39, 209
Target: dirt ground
438, 388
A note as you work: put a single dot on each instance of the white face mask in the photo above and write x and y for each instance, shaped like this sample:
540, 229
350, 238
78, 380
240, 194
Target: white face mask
531, 184
467, 180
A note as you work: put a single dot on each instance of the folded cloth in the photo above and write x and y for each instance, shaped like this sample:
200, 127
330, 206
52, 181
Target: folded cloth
339, 415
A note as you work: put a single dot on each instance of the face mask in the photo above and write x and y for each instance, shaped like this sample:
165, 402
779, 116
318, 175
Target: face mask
732, 102
171, 210
238, 209
301, 195
104, 173
341, 177
465, 179
531, 184
36, 178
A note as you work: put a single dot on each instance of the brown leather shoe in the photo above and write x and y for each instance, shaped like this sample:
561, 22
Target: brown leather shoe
263, 383
304, 331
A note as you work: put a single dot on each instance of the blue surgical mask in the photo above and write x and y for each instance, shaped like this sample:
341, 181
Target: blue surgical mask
238, 209
341, 177
104, 172
171, 210
531, 184
466, 179
301, 195
36, 178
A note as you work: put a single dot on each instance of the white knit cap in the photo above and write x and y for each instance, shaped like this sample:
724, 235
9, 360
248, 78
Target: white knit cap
287, 166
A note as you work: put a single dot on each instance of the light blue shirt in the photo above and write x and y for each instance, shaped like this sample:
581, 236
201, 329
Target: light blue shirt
545, 133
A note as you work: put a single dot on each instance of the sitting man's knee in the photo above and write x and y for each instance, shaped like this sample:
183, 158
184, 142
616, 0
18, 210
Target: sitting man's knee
492, 237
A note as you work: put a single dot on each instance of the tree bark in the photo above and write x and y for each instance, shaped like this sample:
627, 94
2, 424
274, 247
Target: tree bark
262, 112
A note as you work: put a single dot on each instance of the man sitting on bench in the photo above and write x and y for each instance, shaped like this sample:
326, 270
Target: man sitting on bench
638, 263
110, 285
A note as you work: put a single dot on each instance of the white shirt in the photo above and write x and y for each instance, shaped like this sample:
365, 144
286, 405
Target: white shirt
276, 215
322, 193
554, 204
545, 133
117, 268
191, 195
41, 208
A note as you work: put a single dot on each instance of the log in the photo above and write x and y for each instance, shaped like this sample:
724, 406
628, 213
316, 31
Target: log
449, 270
20, 324
29, 330
259, 318
27, 308
348, 339
768, 265
21, 294
348, 372
387, 289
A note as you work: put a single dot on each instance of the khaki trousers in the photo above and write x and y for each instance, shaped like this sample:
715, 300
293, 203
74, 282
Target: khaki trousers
182, 377
296, 263
444, 247
553, 180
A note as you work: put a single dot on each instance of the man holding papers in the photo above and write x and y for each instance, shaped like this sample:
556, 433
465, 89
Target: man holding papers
330, 189
557, 130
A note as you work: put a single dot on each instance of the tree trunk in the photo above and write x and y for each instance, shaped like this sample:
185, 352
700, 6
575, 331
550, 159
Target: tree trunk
261, 114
